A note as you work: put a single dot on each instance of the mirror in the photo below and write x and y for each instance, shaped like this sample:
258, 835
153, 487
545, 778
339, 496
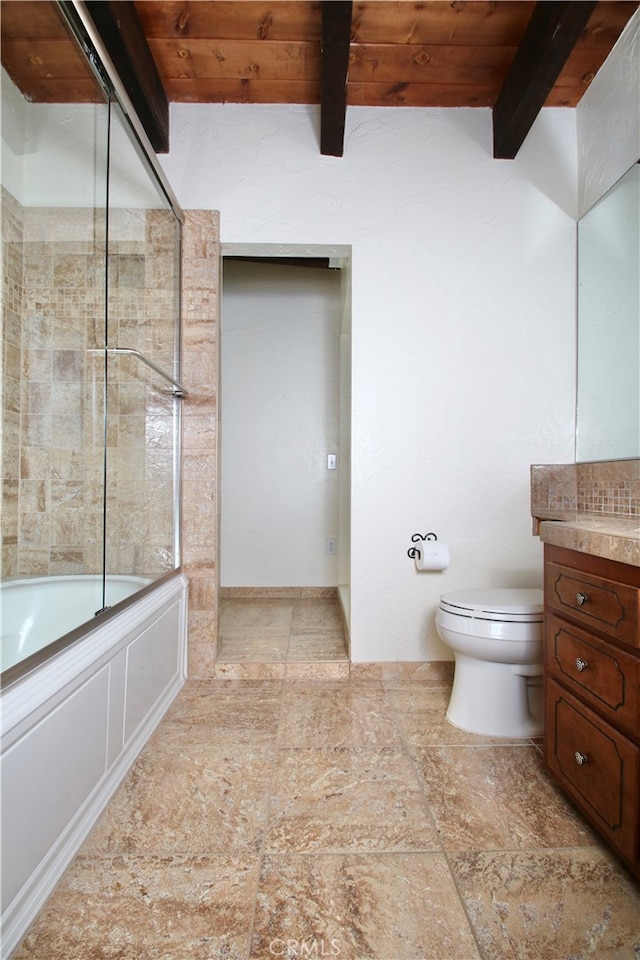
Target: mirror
608, 395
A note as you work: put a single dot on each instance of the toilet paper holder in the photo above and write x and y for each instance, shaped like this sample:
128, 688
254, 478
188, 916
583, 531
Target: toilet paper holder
414, 552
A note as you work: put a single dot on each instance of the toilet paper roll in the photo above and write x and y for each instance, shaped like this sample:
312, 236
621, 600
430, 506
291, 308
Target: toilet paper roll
434, 555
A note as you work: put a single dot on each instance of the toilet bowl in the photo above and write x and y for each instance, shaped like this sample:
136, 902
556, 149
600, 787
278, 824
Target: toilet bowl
496, 638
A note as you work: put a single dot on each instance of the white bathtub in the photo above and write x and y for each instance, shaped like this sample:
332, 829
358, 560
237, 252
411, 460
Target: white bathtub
38, 610
72, 725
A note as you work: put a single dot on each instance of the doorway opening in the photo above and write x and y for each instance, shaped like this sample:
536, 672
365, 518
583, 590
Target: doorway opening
285, 477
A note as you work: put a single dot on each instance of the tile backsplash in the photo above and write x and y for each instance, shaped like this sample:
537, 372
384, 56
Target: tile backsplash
608, 489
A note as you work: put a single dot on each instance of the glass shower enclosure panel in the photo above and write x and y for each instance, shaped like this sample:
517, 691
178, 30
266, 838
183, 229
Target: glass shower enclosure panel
54, 187
143, 302
90, 341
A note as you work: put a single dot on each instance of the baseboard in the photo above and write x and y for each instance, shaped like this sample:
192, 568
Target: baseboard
344, 601
433, 673
278, 593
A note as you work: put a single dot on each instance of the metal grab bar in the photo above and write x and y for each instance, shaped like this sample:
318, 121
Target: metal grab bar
179, 391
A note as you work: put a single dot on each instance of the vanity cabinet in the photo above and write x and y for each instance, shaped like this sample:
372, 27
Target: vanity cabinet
592, 691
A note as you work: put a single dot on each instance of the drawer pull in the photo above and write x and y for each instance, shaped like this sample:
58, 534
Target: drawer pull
581, 598
581, 665
581, 758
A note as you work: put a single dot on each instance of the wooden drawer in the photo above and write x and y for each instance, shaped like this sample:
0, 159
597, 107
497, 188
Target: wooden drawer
597, 603
597, 766
604, 676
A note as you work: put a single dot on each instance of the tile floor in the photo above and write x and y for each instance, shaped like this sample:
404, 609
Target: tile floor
335, 818
273, 639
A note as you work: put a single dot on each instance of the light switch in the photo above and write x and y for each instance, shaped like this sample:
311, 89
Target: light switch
332, 461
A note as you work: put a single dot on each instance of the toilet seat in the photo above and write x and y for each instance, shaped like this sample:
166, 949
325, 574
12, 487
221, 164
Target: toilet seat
496, 638
503, 604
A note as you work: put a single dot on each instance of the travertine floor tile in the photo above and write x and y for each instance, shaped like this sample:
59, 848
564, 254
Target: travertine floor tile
255, 617
316, 616
136, 908
241, 712
248, 670
488, 798
347, 800
188, 798
258, 635
551, 905
317, 646
421, 712
381, 907
325, 670
271, 646
383, 833
338, 715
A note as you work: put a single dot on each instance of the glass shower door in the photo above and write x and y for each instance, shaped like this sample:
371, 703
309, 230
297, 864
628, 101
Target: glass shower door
90, 341
143, 282
54, 176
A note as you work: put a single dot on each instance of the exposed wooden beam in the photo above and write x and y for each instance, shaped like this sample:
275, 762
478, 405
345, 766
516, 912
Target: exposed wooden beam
336, 38
119, 27
548, 40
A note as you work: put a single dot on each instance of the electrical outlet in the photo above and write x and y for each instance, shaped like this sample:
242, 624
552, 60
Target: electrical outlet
331, 547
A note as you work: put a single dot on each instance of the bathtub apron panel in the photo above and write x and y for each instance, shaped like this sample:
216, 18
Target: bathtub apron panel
70, 732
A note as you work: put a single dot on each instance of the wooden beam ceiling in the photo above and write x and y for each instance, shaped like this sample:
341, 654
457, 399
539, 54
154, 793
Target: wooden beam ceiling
119, 27
336, 41
549, 38
513, 57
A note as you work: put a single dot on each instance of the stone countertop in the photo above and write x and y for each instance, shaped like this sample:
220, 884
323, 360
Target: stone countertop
615, 538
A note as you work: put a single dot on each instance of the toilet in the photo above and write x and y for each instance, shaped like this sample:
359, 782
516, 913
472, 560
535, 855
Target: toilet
496, 638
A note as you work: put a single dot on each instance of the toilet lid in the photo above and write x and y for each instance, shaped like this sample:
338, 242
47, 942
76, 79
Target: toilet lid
495, 603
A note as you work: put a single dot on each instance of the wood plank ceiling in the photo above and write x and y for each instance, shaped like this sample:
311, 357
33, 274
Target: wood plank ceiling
514, 57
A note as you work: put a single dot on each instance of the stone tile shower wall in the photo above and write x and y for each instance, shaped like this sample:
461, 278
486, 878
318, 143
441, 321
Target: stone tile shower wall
200, 374
48, 523
144, 295
53, 394
12, 233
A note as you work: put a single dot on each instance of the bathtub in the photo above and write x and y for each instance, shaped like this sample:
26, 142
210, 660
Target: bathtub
37, 610
74, 717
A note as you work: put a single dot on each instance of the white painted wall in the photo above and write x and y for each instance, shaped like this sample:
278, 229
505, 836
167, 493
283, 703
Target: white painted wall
280, 418
463, 300
608, 119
